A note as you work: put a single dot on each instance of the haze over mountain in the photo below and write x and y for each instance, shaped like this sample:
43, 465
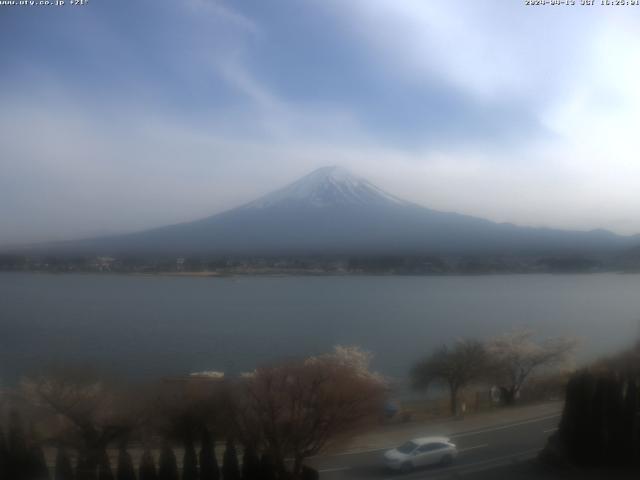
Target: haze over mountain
333, 211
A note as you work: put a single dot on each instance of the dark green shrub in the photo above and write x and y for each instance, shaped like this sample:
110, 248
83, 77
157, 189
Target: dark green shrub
17, 454
189, 461
309, 473
250, 464
63, 469
168, 466
267, 468
600, 423
37, 468
104, 467
230, 467
147, 469
209, 469
125, 470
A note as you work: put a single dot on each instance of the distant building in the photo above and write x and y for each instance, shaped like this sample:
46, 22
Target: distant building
212, 374
103, 264
180, 264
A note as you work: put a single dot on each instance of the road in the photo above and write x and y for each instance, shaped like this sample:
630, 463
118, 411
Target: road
479, 449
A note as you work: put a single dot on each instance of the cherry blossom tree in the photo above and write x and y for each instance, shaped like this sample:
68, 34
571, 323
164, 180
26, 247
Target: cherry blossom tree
456, 366
516, 355
297, 408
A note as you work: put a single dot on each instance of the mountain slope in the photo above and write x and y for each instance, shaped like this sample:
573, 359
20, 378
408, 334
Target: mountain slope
332, 211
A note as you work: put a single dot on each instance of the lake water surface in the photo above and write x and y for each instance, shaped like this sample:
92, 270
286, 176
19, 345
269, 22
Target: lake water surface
151, 326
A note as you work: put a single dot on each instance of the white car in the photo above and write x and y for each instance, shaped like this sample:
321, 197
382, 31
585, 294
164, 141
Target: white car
421, 452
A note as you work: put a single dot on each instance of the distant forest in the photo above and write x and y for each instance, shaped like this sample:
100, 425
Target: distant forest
323, 264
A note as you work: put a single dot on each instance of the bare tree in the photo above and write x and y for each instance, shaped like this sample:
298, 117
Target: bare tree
297, 408
84, 409
516, 355
183, 406
456, 366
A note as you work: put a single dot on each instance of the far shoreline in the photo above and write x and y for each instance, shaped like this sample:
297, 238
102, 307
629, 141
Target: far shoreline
306, 273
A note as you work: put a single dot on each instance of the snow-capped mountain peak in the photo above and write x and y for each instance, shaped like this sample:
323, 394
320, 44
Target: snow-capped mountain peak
326, 187
332, 211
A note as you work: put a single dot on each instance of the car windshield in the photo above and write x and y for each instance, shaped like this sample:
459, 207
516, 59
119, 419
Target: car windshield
407, 447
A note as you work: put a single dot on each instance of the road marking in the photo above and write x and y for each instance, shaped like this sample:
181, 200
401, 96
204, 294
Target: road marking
357, 452
459, 435
503, 427
464, 468
550, 430
337, 469
342, 469
460, 450
498, 459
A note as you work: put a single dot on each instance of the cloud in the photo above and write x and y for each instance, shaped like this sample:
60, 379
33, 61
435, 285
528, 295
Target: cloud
219, 11
171, 113
491, 49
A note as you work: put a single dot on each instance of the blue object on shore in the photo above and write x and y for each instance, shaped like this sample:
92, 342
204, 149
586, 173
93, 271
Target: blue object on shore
390, 409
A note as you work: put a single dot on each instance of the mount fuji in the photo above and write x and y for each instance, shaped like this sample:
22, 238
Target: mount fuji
332, 211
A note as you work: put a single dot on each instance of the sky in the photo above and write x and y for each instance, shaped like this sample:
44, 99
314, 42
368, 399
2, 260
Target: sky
118, 116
